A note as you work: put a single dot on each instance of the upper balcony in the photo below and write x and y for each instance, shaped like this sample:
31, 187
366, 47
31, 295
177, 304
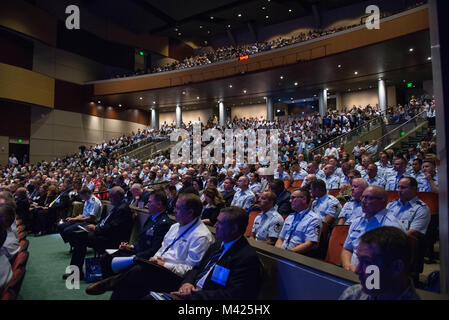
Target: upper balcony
395, 26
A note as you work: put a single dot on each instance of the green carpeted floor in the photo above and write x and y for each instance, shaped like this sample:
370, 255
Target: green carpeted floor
49, 257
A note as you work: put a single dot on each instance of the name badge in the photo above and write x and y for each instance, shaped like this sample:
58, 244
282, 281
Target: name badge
220, 275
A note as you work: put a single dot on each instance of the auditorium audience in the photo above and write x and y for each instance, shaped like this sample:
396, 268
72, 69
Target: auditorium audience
268, 223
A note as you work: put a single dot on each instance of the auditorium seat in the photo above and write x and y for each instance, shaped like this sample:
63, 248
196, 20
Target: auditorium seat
296, 184
333, 192
252, 217
392, 195
287, 184
431, 199
336, 242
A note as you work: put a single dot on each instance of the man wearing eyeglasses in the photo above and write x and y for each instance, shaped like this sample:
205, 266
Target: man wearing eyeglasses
375, 215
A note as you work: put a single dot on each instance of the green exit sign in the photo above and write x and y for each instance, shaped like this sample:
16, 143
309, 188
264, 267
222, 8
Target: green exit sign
20, 140
409, 85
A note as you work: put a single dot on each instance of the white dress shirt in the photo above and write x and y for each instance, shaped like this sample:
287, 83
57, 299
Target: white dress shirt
187, 251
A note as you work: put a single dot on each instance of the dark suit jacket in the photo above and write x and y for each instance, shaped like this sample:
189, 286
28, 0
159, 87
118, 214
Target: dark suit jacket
228, 196
244, 277
23, 208
149, 242
283, 202
117, 228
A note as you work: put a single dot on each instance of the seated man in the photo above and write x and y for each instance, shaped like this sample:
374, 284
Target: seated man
281, 173
172, 196
327, 207
414, 216
228, 191
301, 230
91, 214
11, 244
234, 256
282, 197
330, 178
23, 207
374, 202
183, 247
268, 224
373, 178
353, 208
392, 177
388, 249
429, 181
297, 173
150, 238
5, 265
140, 197
244, 197
112, 230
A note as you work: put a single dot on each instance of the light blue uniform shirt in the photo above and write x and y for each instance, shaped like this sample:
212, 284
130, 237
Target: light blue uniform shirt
255, 187
243, 199
268, 225
351, 211
299, 228
393, 179
299, 175
414, 215
92, 207
361, 225
283, 176
327, 205
376, 181
344, 180
424, 185
332, 182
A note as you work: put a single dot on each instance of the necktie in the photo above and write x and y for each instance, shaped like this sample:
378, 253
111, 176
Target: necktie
213, 260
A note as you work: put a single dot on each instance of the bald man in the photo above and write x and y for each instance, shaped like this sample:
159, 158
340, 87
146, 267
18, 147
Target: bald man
353, 208
375, 215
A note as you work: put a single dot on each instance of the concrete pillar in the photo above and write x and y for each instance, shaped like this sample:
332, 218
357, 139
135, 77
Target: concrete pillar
382, 96
221, 114
178, 116
339, 101
155, 118
270, 109
322, 99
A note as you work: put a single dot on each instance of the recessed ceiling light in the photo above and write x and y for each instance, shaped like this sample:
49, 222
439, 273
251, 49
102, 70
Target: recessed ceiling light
91, 102
411, 50
99, 101
263, 8
239, 15
176, 29
339, 66
140, 98
208, 31
281, 77
211, 18
119, 105
290, 10
229, 25
244, 91
183, 92
266, 17
356, 73
230, 86
197, 98
296, 83
154, 102
179, 33
429, 58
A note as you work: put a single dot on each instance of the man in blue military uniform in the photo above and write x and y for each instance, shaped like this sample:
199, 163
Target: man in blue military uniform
297, 172
150, 237
383, 165
327, 207
332, 180
301, 230
412, 213
268, 224
353, 208
373, 178
374, 203
398, 172
280, 173
244, 197
429, 182
415, 170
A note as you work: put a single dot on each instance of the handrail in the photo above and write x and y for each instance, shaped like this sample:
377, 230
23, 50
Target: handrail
350, 133
381, 142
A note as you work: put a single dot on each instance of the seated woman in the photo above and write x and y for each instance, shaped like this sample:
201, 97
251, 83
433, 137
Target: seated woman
213, 204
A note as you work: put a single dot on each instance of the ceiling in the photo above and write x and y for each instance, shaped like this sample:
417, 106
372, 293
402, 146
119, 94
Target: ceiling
202, 20
390, 60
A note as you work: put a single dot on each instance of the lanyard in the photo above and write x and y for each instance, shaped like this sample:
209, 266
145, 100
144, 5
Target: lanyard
173, 242
294, 225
